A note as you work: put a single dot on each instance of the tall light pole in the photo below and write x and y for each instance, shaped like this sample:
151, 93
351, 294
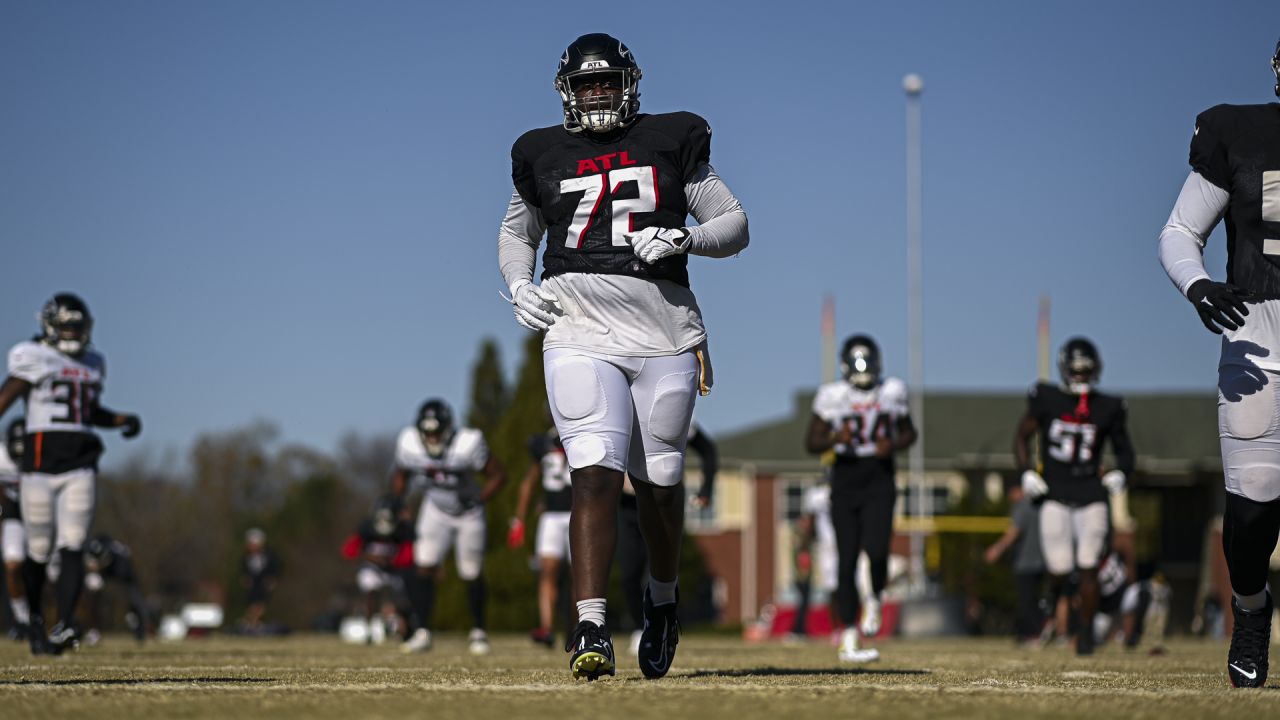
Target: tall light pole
914, 85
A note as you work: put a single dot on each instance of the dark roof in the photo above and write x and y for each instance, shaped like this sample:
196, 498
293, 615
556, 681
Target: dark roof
1172, 432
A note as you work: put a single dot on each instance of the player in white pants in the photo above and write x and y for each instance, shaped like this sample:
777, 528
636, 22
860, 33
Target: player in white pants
61, 378
445, 460
551, 544
625, 351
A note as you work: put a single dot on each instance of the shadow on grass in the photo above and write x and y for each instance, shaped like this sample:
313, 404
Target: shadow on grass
139, 681
784, 672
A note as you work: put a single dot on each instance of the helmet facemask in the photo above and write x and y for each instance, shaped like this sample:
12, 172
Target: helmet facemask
1079, 366
66, 329
599, 99
860, 363
435, 435
384, 521
1275, 67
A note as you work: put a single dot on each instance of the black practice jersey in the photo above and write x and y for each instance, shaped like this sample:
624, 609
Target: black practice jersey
382, 548
1237, 148
1072, 430
547, 450
592, 190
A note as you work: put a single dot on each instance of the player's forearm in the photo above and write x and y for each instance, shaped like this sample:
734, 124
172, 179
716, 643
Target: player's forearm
12, 389
722, 229
105, 417
1198, 209
518, 239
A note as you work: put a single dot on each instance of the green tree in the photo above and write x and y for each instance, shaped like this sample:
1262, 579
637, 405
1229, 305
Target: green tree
489, 394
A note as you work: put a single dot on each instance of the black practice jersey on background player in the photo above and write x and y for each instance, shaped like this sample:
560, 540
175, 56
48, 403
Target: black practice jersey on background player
1072, 430
1233, 146
539, 446
543, 161
382, 548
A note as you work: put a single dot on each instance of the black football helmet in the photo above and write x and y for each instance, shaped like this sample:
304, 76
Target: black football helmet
435, 425
386, 514
1275, 66
860, 362
15, 440
66, 324
598, 62
1079, 364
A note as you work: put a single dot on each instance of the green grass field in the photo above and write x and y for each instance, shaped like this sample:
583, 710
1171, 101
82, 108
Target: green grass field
714, 677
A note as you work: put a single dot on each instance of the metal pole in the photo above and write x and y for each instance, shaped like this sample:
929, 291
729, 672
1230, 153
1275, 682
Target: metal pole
914, 86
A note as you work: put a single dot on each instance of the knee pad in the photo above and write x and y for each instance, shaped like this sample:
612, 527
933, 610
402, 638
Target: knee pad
469, 565
39, 546
71, 536
1252, 469
664, 469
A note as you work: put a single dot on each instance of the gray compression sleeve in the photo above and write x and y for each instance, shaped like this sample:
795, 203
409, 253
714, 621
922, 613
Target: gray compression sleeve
722, 225
1199, 208
518, 239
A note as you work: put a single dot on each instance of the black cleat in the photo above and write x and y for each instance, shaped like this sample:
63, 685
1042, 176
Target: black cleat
18, 632
659, 637
1084, 642
1250, 641
592, 650
64, 637
39, 643
543, 636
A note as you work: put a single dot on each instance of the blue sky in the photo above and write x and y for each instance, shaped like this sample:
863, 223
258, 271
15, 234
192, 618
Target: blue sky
288, 210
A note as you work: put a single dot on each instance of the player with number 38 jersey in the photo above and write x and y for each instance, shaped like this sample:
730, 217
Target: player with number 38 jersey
60, 377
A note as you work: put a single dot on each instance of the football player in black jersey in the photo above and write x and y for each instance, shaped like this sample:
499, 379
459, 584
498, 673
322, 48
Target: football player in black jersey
105, 559
1235, 173
549, 469
1071, 422
60, 378
625, 349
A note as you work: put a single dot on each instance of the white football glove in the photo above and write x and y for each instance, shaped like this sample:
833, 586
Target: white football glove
1034, 485
652, 244
1114, 481
535, 307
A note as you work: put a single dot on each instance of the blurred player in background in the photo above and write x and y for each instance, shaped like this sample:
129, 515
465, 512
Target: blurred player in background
259, 572
1072, 422
1235, 173
1022, 541
108, 559
633, 555
865, 420
445, 460
384, 546
60, 377
626, 348
549, 469
13, 541
816, 559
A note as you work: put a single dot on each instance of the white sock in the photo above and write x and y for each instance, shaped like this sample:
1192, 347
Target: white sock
1254, 602
21, 613
591, 610
662, 593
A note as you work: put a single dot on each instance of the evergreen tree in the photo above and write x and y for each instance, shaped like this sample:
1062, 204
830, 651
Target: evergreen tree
489, 394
